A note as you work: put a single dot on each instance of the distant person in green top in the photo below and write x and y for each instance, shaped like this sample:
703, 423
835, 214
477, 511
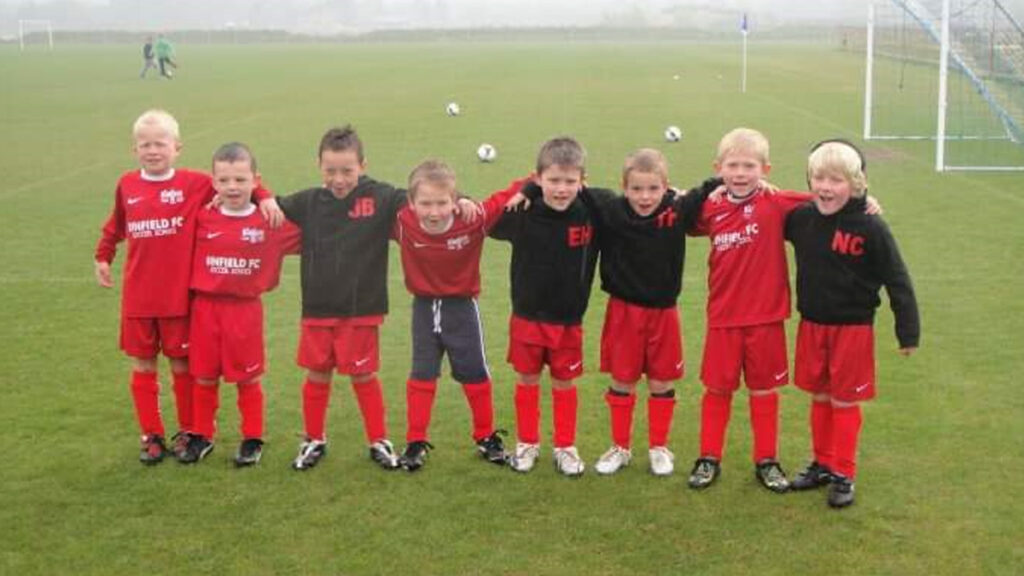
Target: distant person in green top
164, 56
148, 57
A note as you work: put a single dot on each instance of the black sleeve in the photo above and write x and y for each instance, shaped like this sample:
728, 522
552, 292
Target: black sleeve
598, 201
689, 205
394, 199
898, 286
507, 226
532, 191
294, 206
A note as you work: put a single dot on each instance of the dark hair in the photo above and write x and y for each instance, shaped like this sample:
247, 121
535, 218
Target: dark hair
339, 139
562, 151
235, 152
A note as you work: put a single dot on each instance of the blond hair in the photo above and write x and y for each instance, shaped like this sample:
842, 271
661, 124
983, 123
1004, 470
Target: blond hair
839, 158
431, 171
744, 141
645, 160
159, 118
564, 152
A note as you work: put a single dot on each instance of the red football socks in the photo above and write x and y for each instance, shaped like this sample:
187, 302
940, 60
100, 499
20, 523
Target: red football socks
821, 432
146, 396
563, 407
184, 385
481, 404
315, 398
714, 419
528, 413
206, 400
250, 406
419, 402
764, 422
620, 409
371, 404
846, 423
659, 419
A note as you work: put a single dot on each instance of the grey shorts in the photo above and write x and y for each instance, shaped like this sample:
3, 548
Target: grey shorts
452, 326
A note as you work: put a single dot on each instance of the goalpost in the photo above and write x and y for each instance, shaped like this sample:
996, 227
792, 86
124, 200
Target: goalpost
30, 27
951, 71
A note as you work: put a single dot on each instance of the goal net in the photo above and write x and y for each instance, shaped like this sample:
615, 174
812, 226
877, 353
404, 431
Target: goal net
951, 71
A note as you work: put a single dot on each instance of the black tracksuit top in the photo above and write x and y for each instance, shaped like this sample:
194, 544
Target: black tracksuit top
842, 261
554, 255
642, 257
345, 247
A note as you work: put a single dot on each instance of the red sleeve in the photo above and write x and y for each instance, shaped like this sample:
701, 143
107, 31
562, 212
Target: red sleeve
287, 240
261, 193
789, 200
113, 231
494, 205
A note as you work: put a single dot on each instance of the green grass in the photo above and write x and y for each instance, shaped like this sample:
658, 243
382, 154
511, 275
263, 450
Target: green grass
940, 463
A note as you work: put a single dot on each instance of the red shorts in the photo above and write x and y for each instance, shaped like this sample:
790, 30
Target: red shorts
531, 345
758, 352
637, 340
226, 338
145, 337
836, 360
348, 345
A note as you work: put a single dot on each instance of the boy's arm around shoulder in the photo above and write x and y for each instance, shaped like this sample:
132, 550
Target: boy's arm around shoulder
689, 202
498, 201
898, 285
295, 206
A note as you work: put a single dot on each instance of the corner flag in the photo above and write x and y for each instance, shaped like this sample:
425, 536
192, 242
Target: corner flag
743, 31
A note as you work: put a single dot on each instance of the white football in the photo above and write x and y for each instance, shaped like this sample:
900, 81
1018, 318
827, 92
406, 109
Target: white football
673, 134
452, 109
486, 153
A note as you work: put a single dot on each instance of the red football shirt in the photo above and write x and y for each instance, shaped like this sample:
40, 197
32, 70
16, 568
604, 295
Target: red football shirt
447, 264
157, 218
748, 279
239, 254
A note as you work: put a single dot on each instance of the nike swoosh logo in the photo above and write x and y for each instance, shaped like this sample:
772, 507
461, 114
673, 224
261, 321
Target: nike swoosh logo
419, 245
132, 201
361, 361
252, 368
720, 217
575, 365
781, 375
213, 235
680, 365
863, 386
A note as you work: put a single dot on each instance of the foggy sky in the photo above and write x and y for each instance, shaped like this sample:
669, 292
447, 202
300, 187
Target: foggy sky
334, 16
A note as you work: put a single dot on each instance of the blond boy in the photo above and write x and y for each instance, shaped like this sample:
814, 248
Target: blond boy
843, 257
155, 211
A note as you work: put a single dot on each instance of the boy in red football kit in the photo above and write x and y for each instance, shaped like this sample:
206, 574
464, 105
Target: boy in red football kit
843, 257
643, 248
748, 300
554, 254
237, 258
441, 261
154, 210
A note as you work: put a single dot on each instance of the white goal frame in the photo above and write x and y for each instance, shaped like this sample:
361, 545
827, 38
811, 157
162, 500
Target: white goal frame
42, 24
946, 57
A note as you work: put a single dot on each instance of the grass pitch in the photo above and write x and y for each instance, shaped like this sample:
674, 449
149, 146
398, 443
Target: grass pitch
940, 463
